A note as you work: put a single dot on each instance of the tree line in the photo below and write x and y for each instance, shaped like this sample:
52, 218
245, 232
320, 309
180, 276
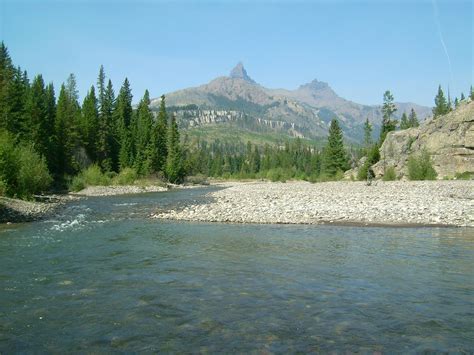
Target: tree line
290, 160
60, 137
67, 137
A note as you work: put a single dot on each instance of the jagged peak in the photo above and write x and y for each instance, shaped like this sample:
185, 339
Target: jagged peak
239, 72
316, 85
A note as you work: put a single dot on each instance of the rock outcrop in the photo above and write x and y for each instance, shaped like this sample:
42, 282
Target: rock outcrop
448, 139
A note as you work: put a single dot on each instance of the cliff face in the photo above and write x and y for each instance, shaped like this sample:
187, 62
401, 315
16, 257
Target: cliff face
449, 140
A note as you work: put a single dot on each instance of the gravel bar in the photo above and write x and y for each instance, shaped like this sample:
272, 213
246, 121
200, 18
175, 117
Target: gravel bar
440, 203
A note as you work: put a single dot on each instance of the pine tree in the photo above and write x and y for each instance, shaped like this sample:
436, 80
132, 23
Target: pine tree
51, 158
66, 127
174, 162
462, 97
450, 106
441, 105
143, 136
255, 161
7, 73
61, 127
40, 120
36, 112
123, 117
404, 122
17, 94
160, 132
107, 144
412, 119
456, 103
89, 125
471, 94
388, 109
367, 133
335, 156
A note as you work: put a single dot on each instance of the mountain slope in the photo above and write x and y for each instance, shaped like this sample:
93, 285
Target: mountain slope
304, 112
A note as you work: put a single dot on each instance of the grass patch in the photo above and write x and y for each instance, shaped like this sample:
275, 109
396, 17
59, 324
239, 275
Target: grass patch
390, 174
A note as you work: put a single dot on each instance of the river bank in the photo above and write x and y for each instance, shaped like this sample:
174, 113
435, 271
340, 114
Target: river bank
18, 211
443, 203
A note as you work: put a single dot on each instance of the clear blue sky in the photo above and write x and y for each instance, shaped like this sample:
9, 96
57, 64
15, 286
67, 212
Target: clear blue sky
361, 48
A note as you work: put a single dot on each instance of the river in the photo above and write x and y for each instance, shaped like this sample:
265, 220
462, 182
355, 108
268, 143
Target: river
101, 276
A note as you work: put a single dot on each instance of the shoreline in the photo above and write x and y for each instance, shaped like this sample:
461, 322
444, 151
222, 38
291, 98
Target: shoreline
21, 211
384, 204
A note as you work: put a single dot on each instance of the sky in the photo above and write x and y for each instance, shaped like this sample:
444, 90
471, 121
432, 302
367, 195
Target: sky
361, 48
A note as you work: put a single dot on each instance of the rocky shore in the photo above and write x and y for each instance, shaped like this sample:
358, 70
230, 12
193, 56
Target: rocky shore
443, 203
17, 211
118, 190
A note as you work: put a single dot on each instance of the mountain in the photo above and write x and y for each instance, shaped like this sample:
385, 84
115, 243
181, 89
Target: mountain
236, 103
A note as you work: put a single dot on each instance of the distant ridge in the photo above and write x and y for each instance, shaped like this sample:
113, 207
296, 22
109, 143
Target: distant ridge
304, 112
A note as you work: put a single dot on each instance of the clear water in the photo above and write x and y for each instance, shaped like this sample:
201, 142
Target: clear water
103, 277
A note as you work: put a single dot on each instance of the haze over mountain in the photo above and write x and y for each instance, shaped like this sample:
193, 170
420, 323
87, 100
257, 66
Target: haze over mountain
238, 101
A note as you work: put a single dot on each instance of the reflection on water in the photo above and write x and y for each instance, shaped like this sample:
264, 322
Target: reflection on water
103, 277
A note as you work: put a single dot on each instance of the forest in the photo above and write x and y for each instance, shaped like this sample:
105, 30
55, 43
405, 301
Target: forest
55, 144
51, 143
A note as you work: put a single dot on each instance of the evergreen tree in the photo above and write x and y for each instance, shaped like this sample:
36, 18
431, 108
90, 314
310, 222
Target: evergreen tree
456, 103
89, 125
335, 157
367, 133
66, 127
388, 109
51, 159
61, 127
7, 73
471, 94
123, 117
174, 162
450, 106
16, 100
255, 161
441, 105
412, 119
108, 145
36, 113
160, 132
404, 122
462, 97
143, 136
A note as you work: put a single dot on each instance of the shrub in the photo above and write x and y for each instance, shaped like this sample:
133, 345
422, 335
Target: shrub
77, 183
126, 177
33, 175
92, 176
420, 167
390, 174
23, 171
8, 163
277, 174
373, 156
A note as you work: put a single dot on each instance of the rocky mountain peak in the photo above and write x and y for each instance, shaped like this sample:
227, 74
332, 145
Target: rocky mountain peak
239, 72
316, 85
